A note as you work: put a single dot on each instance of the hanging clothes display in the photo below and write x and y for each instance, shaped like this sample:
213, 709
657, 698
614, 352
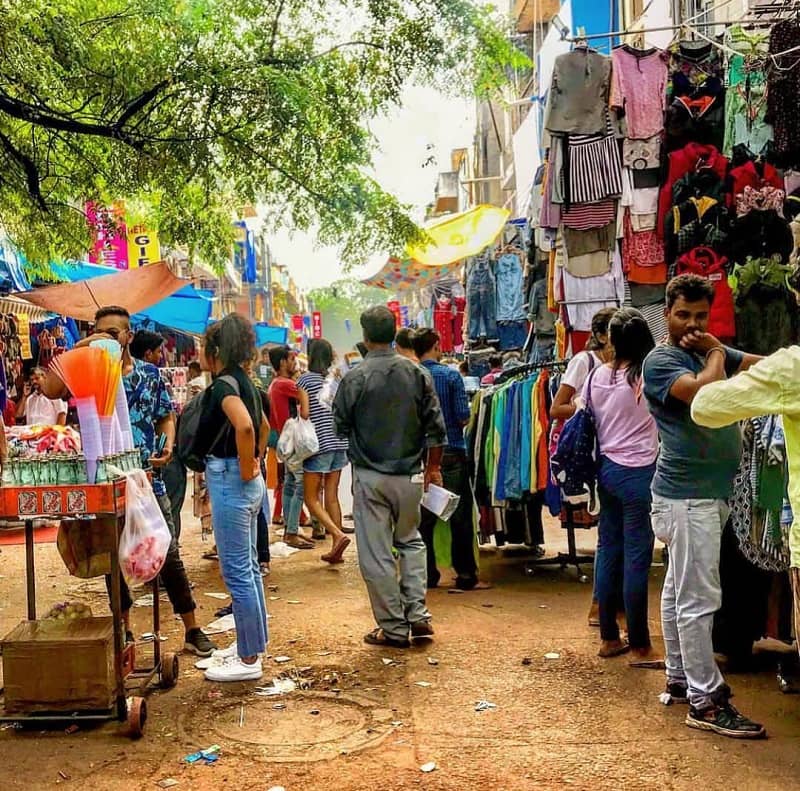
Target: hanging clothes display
783, 88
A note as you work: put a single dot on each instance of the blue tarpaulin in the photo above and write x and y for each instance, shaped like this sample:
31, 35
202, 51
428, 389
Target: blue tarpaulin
266, 333
187, 310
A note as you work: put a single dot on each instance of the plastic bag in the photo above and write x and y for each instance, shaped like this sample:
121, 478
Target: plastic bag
329, 388
298, 441
145, 541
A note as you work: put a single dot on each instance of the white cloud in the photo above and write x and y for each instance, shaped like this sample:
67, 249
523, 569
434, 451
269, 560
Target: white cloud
428, 124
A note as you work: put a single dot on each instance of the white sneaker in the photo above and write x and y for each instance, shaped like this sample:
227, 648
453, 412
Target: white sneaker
218, 657
233, 669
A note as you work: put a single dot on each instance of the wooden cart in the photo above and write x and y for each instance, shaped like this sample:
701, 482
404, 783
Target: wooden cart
116, 687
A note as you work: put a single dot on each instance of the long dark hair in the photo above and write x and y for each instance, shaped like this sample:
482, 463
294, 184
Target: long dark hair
600, 322
320, 356
231, 340
632, 341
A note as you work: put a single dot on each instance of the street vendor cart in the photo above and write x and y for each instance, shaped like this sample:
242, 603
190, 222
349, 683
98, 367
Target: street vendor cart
79, 670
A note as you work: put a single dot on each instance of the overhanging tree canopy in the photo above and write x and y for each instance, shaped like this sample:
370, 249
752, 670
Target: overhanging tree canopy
191, 108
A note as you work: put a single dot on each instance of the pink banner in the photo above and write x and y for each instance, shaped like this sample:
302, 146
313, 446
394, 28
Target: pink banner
109, 235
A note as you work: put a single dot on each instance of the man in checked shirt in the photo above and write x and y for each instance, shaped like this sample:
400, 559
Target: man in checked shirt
449, 386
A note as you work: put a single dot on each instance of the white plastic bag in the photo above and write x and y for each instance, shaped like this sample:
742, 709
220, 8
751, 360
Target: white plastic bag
145, 541
330, 386
298, 441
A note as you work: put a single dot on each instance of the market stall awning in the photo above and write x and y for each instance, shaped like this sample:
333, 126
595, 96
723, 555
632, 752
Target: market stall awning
397, 275
151, 291
458, 236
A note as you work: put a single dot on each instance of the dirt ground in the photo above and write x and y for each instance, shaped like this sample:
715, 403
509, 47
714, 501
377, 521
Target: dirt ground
372, 717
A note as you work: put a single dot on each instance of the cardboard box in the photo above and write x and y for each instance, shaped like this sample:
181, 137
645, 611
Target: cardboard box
59, 666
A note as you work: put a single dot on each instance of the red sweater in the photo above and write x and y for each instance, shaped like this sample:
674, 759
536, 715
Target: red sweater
682, 162
747, 176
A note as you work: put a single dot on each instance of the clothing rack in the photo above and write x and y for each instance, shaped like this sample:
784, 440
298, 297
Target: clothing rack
662, 28
526, 368
569, 511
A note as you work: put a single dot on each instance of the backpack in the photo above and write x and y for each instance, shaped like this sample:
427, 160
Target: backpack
188, 431
575, 462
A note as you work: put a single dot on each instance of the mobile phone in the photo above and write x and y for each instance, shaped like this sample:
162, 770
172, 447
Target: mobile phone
161, 443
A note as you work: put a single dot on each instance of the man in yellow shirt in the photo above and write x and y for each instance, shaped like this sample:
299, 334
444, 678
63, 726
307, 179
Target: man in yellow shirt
772, 387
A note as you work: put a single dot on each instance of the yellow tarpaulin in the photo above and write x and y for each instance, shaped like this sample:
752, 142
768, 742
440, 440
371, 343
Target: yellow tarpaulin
459, 236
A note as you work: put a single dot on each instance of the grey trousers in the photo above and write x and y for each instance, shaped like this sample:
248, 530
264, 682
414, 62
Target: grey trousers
692, 529
386, 512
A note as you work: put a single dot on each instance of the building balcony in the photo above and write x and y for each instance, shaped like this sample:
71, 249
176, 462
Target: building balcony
525, 13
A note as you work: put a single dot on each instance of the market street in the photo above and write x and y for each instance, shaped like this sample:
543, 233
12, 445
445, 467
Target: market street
572, 722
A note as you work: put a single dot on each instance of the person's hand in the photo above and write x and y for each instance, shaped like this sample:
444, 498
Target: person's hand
96, 336
250, 471
162, 459
433, 475
701, 342
26, 389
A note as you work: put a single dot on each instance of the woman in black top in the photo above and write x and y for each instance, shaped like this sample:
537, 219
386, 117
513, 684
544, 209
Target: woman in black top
237, 431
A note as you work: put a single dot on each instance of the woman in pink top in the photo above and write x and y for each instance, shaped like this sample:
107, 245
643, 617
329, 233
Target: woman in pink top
628, 441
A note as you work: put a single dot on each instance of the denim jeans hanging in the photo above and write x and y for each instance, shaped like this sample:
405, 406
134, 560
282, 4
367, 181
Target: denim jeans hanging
482, 294
509, 288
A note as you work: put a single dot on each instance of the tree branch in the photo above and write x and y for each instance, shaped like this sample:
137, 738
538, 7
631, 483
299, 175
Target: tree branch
47, 120
139, 103
31, 171
273, 38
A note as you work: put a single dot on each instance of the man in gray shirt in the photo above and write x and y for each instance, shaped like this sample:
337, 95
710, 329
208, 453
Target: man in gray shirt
692, 484
388, 410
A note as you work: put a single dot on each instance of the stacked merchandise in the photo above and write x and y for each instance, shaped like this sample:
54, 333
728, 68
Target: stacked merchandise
693, 170
495, 296
176, 380
637, 188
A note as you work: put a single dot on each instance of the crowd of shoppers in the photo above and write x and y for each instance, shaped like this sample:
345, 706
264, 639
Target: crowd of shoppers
667, 448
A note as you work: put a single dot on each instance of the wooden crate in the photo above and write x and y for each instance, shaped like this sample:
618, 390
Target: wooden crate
59, 666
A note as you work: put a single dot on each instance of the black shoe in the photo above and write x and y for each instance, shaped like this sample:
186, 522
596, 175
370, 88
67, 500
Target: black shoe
197, 643
726, 721
223, 611
678, 692
129, 638
422, 629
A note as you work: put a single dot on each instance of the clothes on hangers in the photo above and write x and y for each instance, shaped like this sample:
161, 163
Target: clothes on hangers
766, 308
692, 157
577, 102
746, 95
783, 87
638, 89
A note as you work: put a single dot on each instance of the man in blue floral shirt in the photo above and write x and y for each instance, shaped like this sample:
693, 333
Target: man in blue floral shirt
151, 415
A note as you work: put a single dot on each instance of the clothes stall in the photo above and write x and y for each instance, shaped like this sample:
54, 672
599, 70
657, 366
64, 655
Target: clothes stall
661, 162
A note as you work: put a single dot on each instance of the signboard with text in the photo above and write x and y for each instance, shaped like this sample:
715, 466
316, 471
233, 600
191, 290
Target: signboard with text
143, 247
109, 234
316, 325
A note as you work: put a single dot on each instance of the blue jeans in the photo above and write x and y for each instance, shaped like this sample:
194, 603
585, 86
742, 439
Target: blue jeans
508, 273
481, 300
292, 500
234, 512
624, 549
512, 334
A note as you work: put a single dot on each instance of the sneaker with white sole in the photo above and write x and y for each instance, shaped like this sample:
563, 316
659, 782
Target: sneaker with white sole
218, 657
233, 669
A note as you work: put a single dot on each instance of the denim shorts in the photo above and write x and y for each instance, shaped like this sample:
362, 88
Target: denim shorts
330, 461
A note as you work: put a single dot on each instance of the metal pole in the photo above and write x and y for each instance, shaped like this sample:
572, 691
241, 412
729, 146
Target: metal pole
268, 277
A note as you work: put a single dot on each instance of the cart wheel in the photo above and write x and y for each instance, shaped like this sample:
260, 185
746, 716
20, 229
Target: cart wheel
137, 717
169, 671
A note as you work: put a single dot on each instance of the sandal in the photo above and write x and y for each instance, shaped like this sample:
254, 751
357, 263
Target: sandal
377, 637
298, 542
616, 649
210, 555
335, 555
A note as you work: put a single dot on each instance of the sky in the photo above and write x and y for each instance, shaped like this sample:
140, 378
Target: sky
427, 125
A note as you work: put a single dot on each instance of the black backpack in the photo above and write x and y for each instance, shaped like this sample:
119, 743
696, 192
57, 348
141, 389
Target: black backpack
189, 452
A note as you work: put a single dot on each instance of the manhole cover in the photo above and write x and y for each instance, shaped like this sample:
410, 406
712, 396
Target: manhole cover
341, 724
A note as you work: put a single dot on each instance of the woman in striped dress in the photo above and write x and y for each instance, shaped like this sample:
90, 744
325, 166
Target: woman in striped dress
321, 472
